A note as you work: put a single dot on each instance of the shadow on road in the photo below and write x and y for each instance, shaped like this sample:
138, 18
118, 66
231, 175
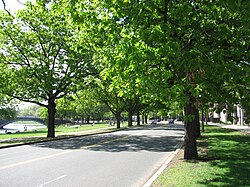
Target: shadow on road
124, 140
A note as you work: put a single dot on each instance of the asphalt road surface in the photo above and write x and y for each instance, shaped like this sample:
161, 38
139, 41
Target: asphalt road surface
120, 159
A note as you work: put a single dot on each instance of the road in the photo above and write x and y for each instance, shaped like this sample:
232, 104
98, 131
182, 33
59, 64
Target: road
123, 158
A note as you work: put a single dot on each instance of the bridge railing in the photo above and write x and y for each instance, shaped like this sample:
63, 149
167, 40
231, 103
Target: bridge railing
36, 119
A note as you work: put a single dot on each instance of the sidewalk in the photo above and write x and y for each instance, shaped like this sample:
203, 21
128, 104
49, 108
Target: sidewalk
244, 128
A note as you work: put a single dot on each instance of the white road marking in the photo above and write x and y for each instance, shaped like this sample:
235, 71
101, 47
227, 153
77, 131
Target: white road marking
53, 180
33, 160
61, 153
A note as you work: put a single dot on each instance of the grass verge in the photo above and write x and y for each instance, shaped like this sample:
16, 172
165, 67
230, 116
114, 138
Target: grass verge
61, 131
224, 161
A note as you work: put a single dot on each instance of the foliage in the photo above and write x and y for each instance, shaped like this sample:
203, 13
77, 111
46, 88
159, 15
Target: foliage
8, 108
34, 110
174, 45
111, 99
45, 55
188, 52
8, 112
83, 104
41, 48
169, 47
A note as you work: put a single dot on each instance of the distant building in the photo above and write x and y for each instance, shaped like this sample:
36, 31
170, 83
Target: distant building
239, 115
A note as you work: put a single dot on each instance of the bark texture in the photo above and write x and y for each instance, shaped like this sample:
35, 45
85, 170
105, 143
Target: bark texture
190, 147
51, 117
118, 120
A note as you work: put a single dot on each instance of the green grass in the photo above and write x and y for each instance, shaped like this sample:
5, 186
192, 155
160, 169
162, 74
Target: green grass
225, 162
40, 134
70, 129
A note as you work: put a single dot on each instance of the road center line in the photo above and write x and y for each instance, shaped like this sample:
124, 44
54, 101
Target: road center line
34, 160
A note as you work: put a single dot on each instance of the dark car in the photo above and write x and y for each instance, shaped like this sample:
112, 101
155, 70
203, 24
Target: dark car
171, 120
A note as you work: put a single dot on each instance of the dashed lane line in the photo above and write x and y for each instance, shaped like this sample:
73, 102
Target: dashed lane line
51, 181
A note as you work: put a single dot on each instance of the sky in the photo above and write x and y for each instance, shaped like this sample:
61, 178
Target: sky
12, 5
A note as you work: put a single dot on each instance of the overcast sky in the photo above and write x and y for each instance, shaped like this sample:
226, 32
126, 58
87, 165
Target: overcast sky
12, 5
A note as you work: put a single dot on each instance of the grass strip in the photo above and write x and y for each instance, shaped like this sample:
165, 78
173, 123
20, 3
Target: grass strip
40, 134
224, 161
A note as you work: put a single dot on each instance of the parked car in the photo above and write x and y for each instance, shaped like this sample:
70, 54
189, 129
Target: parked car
153, 122
171, 120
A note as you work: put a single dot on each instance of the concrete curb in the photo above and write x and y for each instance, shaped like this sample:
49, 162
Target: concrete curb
163, 166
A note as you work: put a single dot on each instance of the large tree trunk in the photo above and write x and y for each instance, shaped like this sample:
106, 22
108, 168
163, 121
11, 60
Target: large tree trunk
130, 115
88, 120
51, 117
138, 117
146, 119
190, 147
118, 120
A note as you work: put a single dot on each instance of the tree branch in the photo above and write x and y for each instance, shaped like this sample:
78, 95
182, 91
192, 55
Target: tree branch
30, 101
57, 53
39, 38
5, 7
166, 11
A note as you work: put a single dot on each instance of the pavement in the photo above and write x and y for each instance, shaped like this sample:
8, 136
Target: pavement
5, 142
163, 166
243, 128
13, 142
122, 158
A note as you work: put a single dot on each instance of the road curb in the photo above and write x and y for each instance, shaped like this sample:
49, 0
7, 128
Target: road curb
163, 166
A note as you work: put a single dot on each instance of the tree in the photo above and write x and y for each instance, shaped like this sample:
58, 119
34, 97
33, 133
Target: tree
46, 55
8, 107
8, 112
83, 104
175, 43
132, 106
89, 106
112, 100
31, 111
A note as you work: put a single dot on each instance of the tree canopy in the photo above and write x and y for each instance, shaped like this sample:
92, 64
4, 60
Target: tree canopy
186, 52
44, 55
